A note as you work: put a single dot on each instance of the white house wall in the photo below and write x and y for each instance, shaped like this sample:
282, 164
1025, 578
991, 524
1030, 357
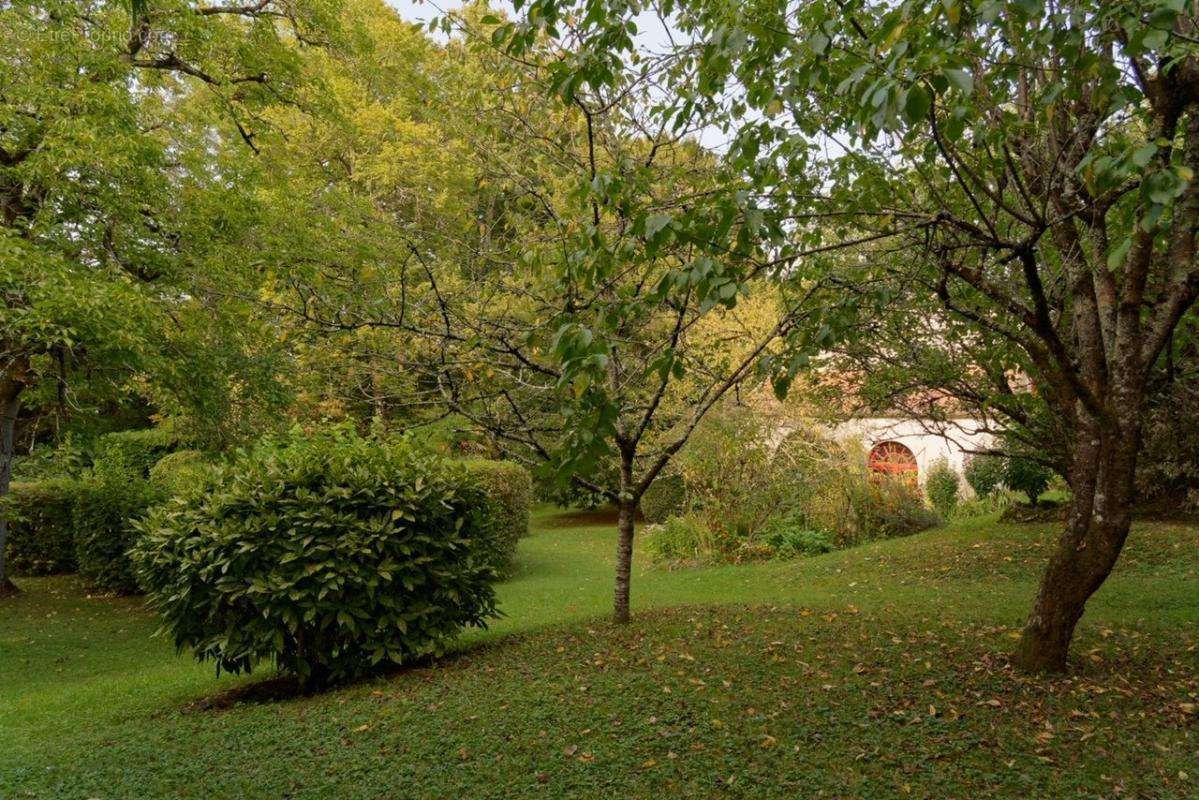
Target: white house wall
929, 442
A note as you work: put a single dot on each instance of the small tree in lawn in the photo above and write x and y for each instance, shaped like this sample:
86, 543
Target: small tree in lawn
1030, 166
616, 286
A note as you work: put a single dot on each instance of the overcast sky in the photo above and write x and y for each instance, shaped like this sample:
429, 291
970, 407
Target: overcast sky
417, 11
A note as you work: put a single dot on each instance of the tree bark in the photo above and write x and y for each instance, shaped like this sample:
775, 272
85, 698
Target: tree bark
1101, 482
10, 405
624, 559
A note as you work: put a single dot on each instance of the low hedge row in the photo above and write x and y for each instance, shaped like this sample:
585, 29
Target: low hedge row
104, 517
41, 538
78, 524
90, 524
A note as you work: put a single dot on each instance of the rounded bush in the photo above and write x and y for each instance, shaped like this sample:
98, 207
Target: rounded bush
509, 491
328, 555
942, 486
666, 497
1025, 475
984, 473
181, 471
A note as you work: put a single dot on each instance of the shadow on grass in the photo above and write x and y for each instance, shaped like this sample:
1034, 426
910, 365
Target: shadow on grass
590, 518
285, 688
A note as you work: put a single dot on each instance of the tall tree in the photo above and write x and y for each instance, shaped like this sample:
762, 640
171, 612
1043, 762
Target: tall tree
90, 177
1036, 159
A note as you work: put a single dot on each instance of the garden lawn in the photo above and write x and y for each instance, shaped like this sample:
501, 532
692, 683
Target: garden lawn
873, 672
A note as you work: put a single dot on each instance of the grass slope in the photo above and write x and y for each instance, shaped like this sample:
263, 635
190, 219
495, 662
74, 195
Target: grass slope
876, 672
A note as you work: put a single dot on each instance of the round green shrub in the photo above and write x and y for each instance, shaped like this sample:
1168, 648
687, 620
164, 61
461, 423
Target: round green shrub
942, 487
1025, 475
104, 515
181, 471
984, 473
666, 497
41, 539
328, 555
508, 488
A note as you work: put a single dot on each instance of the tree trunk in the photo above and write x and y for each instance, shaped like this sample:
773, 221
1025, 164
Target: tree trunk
10, 405
624, 559
1101, 482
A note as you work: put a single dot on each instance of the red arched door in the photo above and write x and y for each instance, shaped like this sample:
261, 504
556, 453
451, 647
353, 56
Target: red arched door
893, 458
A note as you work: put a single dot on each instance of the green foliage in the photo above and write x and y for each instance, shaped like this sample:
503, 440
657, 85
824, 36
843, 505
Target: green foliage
41, 537
942, 487
84, 524
787, 541
451, 436
133, 452
329, 555
181, 471
984, 473
686, 539
106, 509
885, 507
758, 502
666, 497
995, 504
63, 457
508, 488
737, 479
1025, 475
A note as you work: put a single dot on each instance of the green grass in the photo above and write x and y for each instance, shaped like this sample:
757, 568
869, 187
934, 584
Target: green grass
874, 672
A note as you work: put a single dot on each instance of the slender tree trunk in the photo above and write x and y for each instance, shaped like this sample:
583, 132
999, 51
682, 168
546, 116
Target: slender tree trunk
624, 559
627, 504
1101, 512
10, 405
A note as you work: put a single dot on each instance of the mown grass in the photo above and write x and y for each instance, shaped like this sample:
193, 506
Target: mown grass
875, 672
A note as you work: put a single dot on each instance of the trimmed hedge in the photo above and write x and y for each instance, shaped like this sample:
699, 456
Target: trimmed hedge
666, 497
82, 525
509, 491
329, 555
105, 513
41, 537
181, 471
133, 452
